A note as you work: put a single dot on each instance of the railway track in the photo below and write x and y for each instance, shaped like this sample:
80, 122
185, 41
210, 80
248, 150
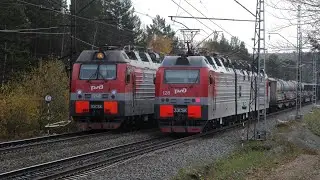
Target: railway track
12, 146
89, 162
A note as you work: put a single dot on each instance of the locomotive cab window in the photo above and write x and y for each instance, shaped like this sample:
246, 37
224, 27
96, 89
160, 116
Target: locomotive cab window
94, 71
181, 76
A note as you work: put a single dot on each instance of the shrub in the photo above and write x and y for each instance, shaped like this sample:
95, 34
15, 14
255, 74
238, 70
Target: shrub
23, 111
313, 121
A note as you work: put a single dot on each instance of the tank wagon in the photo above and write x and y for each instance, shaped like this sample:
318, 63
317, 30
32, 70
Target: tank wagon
112, 87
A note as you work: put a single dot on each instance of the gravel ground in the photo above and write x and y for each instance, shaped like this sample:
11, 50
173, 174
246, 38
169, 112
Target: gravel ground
65, 149
164, 164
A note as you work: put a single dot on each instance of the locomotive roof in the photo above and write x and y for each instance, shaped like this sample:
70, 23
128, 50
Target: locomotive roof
193, 61
118, 56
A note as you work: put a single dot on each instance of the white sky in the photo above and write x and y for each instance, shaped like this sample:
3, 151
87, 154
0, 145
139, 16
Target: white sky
224, 9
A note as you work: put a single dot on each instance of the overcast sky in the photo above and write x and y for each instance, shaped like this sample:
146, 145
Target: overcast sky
223, 9
275, 18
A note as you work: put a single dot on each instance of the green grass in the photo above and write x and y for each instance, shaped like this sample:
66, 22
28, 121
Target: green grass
253, 156
313, 121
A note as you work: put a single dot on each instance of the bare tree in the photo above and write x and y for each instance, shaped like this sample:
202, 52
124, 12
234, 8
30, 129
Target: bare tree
310, 17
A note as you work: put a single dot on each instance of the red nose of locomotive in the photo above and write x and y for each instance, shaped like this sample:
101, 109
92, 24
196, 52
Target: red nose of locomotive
97, 85
182, 90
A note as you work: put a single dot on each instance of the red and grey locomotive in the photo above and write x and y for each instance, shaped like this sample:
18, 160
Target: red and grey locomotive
111, 88
198, 92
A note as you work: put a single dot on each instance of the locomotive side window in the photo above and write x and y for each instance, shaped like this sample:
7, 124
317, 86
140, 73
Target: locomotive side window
143, 57
132, 56
211, 61
181, 76
125, 56
93, 71
217, 61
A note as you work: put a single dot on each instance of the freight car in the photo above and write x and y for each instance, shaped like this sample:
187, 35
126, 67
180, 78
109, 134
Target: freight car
112, 88
196, 93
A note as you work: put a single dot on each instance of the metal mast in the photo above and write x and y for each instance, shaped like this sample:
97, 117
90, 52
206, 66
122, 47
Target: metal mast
298, 90
314, 92
258, 81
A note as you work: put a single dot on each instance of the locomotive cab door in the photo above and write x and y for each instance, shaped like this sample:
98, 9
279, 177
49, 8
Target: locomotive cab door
133, 92
212, 87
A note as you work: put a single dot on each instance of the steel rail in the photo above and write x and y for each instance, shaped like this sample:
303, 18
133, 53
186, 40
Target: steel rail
9, 147
91, 161
46, 169
37, 139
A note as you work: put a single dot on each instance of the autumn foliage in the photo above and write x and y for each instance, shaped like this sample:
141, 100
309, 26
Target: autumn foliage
23, 111
161, 44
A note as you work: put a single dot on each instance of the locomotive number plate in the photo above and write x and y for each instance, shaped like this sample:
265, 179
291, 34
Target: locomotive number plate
180, 110
96, 106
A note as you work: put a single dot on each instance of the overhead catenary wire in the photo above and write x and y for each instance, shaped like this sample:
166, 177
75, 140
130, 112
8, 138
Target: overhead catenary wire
85, 6
192, 16
212, 18
89, 44
207, 17
245, 8
19, 32
80, 17
76, 16
34, 29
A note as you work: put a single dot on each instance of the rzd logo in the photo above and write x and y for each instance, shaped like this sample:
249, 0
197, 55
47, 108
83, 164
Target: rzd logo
178, 91
97, 87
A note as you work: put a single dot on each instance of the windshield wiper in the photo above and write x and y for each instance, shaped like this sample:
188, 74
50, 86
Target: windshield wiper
99, 73
89, 80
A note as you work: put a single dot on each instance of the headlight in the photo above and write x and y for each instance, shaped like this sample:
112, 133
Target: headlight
79, 92
114, 92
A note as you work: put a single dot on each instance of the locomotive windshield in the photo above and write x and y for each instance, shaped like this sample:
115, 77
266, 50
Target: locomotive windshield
181, 76
94, 71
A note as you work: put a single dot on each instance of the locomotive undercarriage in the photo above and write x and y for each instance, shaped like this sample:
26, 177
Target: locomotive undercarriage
92, 123
123, 123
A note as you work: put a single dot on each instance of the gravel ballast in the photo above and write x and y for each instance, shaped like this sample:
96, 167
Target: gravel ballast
164, 164
60, 150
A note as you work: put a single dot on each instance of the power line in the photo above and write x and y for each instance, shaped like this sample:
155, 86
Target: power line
245, 8
207, 17
35, 29
145, 14
211, 18
84, 7
192, 16
91, 20
212, 21
84, 42
19, 32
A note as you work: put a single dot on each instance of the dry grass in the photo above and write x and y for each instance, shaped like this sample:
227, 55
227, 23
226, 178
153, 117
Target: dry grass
252, 161
313, 121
